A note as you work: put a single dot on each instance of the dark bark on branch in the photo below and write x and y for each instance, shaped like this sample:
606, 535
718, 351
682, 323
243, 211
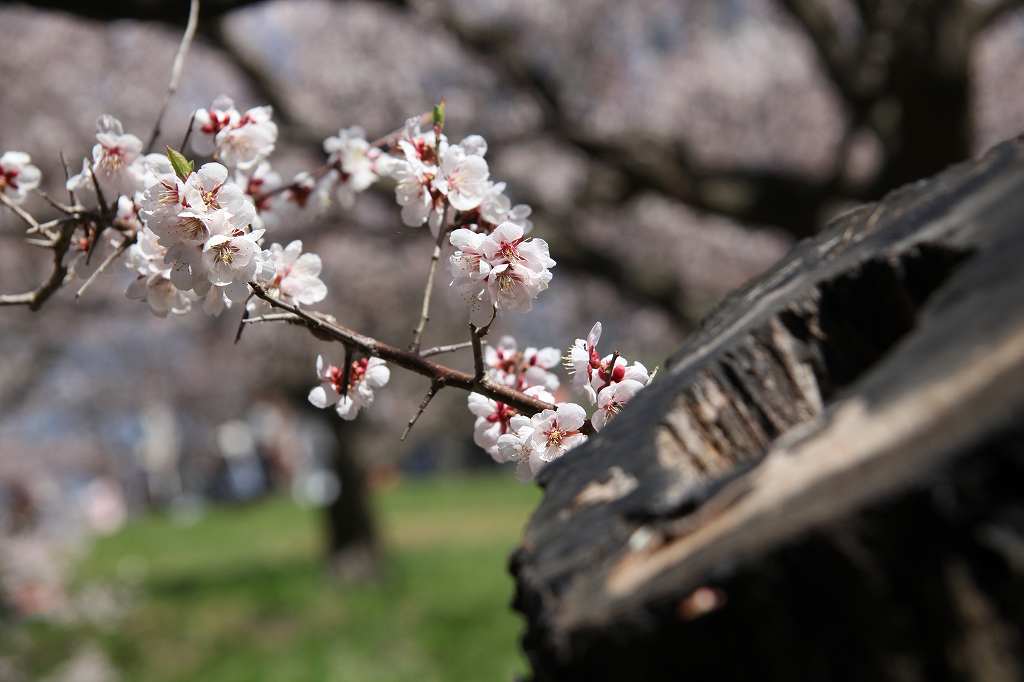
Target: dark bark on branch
826, 481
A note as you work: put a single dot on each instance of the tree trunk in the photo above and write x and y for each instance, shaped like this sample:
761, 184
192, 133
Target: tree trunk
351, 542
826, 482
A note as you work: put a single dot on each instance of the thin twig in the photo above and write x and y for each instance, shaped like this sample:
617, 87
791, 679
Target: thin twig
67, 177
478, 352
66, 210
435, 386
273, 317
245, 316
417, 333
34, 299
121, 248
100, 197
324, 327
476, 336
176, 69
188, 131
450, 348
26, 217
346, 372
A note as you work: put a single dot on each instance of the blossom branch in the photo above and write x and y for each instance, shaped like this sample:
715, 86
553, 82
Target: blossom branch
121, 248
34, 299
477, 335
450, 348
435, 386
417, 333
384, 143
176, 69
26, 217
326, 328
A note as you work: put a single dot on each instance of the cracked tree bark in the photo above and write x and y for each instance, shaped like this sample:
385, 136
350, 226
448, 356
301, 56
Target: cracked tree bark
827, 482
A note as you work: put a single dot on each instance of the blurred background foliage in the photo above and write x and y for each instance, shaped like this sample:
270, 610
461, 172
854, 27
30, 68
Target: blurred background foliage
671, 149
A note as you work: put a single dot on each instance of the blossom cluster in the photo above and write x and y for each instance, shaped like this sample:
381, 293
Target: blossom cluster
18, 176
195, 237
607, 382
348, 394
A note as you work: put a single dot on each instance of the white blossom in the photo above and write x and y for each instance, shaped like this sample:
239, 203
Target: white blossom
557, 431
611, 400
17, 176
469, 267
351, 159
462, 178
514, 287
232, 258
517, 446
521, 370
208, 123
295, 275
582, 358
256, 182
511, 269
152, 282
493, 418
249, 141
413, 193
543, 438
117, 163
365, 376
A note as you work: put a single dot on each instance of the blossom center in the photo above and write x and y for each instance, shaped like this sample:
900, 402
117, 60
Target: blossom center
8, 178
225, 253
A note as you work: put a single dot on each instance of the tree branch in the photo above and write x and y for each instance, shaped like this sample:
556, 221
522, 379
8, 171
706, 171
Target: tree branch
417, 333
176, 69
34, 299
324, 327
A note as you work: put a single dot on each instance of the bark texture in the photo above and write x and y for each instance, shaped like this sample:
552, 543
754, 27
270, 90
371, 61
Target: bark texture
827, 481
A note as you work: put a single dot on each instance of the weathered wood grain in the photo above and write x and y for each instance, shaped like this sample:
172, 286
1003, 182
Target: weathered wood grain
826, 483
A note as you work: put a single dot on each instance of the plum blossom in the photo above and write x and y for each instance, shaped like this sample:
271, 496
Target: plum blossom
152, 283
593, 373
365, 376
208, 123
117, 163
295, 275
510, 269
462, 177
611, 400
250, 140
557, 431
413, 193
514, 287
239, 140
496, 208
208, 190
548, 436
493, 418
180, 211
83, 257
582, 357
232, 258
468, 265
521, 370
17, 176
351, 159
256, 182
517, 446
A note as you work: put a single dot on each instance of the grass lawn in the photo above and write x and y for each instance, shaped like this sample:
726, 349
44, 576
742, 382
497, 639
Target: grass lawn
241, 596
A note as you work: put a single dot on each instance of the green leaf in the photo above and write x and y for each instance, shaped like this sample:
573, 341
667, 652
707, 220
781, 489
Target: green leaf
439, 114
182, 166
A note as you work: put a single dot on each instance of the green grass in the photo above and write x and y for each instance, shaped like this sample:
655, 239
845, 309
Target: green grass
242, 596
